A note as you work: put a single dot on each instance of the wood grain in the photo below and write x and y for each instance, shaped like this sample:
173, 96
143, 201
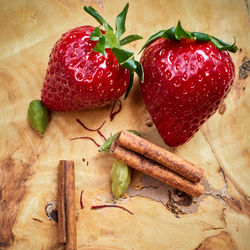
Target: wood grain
28, 162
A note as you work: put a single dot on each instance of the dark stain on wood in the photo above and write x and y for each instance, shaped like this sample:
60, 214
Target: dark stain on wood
3, 205
16, 172
181, 198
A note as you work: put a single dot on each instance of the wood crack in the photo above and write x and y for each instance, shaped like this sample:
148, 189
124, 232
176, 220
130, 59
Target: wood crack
35, 219
153, 187
241, 204
211, 191
213, 228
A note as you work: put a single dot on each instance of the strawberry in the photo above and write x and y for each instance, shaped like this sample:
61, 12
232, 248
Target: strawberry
88, 68
186, 78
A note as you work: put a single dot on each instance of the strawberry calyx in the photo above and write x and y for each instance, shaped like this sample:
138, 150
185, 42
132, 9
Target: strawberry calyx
177, 33
112, 40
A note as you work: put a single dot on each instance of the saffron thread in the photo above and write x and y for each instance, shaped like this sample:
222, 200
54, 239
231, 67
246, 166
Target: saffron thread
81, 203
86, 138
116, 206
114, 113
101, 134
89, 129
93, 130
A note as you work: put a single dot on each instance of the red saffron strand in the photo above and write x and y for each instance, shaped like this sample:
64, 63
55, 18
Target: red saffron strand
101, 134
89, 129
104, 206
81, 203
87, 138
87, 163
114, 113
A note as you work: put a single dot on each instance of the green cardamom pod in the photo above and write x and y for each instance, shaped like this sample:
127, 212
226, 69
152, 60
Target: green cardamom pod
38, 116
121, 176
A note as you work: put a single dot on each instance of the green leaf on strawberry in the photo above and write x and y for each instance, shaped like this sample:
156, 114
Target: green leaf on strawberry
178, 33
96, 34
120, 22
169, 34
112, 40
129, 39
139, 71
203, 37
100, 46
98, 17
222, 45
130, 64
131, 80
122, 55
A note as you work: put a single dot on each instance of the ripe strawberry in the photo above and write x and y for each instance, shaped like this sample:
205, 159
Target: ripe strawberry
186, 77
88, 67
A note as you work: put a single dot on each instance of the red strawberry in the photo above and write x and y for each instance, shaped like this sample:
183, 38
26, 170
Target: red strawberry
186, 77
88, 67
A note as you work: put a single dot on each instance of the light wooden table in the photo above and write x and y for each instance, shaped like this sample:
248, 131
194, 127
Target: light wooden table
28, 163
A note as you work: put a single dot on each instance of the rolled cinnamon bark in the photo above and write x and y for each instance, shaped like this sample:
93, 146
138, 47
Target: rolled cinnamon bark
61, 203
155, 170
66, 205
70, 206
175, 163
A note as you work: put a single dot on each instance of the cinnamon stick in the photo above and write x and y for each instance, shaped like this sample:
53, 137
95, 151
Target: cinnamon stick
61, 203
162, 156
66, 205
147, 166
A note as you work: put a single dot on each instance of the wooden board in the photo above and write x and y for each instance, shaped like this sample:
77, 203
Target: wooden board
220, 219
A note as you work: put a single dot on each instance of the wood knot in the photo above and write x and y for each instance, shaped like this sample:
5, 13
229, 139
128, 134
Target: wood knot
149, 123
51, 211
244, 68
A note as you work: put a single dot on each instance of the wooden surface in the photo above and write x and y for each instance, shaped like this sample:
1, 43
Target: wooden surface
220, 219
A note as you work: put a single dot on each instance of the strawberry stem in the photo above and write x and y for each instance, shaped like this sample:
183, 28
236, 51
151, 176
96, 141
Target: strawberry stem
178, 33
